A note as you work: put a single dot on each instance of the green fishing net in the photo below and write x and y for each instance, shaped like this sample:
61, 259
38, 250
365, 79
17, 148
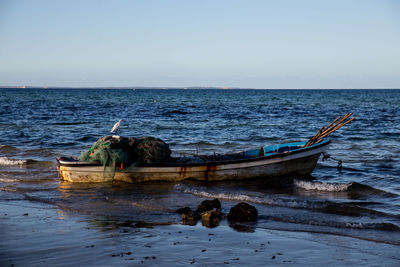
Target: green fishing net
123, 152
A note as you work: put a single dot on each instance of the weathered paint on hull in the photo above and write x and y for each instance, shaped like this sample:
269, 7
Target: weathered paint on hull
300, 164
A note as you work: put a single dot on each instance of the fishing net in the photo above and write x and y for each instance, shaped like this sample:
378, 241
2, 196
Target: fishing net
119, 151
150, 150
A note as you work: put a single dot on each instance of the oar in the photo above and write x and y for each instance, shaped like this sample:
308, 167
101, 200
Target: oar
338, 123
338, 127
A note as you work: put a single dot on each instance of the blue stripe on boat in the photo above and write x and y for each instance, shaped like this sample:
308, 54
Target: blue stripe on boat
278, 148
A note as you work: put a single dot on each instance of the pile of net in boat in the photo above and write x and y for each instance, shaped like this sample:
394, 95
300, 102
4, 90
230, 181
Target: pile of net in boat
112, 151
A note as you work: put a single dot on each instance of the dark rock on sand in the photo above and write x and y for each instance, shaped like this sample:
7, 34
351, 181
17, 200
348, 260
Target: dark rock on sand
189, 217
207, 205
208, 210
211, 218
243, 212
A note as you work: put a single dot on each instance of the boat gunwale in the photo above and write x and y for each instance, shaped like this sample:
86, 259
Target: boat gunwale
206, 163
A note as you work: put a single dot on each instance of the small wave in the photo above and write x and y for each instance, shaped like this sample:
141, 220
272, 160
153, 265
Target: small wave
341, 187
385, 226
291, 203
4, 161
7, 148
321, 186
8, 180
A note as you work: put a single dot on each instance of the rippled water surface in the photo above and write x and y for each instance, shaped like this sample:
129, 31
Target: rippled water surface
361, 200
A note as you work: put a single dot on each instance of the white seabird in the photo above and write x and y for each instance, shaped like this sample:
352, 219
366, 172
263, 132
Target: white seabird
116, 127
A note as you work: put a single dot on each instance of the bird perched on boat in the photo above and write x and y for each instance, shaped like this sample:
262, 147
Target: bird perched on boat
116, 127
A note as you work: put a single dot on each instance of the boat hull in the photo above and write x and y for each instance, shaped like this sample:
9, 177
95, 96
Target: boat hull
297, 163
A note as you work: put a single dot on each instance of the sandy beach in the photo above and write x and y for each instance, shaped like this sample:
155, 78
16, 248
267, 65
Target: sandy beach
37, 234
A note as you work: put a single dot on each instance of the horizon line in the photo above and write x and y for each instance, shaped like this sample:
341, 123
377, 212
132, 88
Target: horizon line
180, 87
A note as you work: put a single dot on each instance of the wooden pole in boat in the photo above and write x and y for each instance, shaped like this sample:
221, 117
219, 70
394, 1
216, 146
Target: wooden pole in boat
332, 125
334, 128
326, 131
337, 127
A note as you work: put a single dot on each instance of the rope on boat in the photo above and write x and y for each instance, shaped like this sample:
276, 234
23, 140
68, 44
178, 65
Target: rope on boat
326, 156
326, 131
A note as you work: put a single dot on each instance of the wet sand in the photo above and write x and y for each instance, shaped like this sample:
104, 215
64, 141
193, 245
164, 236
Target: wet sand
38, 234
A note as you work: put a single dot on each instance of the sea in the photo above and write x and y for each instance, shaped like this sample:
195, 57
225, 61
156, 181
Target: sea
359, 199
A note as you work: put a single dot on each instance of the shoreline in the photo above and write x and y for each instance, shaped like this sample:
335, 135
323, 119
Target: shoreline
38, 234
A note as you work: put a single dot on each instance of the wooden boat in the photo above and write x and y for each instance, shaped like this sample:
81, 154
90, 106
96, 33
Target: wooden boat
292, 159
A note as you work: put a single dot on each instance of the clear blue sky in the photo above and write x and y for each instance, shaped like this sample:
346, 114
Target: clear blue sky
232, 43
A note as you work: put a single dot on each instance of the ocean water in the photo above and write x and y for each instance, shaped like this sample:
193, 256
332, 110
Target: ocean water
360, 200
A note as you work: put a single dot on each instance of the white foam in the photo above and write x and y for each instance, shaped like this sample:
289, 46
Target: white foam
4, 161
321, 186
7, 180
